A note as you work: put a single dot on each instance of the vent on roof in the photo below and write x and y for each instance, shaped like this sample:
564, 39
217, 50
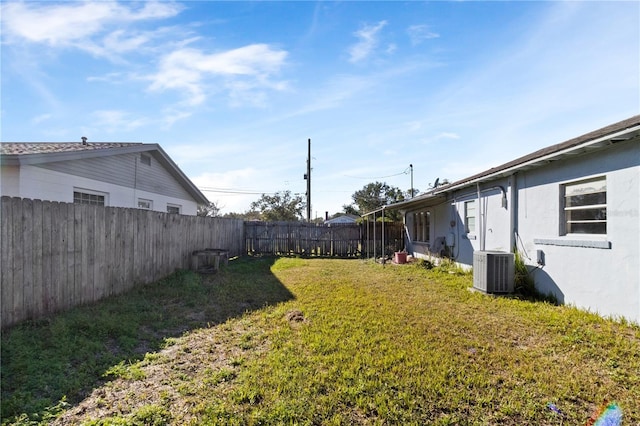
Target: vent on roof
84, 140
493, 271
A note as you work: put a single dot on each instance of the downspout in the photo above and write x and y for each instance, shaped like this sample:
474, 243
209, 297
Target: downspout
480, 219
513, 211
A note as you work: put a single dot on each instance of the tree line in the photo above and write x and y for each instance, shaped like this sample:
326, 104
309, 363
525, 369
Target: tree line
285, 206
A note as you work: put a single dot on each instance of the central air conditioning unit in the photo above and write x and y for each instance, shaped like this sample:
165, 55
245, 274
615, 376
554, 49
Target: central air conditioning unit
493, 271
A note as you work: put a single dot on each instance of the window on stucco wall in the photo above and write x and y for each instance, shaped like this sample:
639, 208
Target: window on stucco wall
145, 204
174, 208
89, 197
585, 207
421, 226
470, 216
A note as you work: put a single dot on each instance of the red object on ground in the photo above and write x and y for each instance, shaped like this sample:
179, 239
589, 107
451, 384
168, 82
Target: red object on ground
401, 257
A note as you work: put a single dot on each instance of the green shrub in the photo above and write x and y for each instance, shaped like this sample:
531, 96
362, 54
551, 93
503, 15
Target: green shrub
424, 263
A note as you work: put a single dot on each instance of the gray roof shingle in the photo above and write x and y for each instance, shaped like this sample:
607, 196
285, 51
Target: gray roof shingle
24, 148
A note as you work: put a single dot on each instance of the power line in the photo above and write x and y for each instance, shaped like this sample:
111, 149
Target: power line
231, 191
235, 191
380, 177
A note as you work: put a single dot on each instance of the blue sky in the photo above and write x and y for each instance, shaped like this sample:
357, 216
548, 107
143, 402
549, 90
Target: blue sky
233, 90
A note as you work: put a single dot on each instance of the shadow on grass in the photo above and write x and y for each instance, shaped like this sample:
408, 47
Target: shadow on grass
64, 357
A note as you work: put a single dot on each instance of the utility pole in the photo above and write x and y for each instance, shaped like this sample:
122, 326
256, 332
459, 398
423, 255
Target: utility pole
307, 176
411, 167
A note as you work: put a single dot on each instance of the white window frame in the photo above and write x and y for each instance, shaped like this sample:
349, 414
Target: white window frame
142, 201
470, 226
90, 193
422, 226
595, 192
171, 206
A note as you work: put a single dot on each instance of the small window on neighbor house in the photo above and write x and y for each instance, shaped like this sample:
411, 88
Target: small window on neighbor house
145, 159
421, 226
585, 207
145, 204
470, 216
95, 199
173, 208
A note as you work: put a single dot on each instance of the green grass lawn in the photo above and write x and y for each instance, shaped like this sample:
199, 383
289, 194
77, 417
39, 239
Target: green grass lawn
315, 341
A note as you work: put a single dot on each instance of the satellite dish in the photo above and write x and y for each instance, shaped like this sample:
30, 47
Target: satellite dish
435, 184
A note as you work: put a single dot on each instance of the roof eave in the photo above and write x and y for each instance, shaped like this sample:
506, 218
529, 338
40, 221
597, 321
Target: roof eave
51, 157
167, 162
179, 175
626, 135
429, 199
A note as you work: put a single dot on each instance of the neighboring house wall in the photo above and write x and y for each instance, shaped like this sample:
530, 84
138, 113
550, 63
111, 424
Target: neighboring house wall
340, 220
605, 280
124, 170
122, 178
10, 180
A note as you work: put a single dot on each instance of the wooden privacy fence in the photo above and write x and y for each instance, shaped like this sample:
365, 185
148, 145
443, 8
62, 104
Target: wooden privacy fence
380, 241
58, 255
301, 238
308, 239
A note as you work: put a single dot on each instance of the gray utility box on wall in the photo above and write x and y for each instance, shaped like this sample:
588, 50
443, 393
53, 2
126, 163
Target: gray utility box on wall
493, 271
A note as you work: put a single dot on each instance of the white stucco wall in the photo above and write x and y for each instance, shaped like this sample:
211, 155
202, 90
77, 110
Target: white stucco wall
495, 231
603, 280
492, 221
39, 183
600, 273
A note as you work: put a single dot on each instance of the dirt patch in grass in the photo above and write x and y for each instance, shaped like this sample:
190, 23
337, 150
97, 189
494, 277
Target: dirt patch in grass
171, 377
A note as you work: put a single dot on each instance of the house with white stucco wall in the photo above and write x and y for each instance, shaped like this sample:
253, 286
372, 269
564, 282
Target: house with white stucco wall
570, 210
133, 175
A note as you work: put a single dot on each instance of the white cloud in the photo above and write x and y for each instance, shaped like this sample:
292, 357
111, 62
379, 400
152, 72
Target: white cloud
420, 33
119, 41
447, 135
172, 115
368, 36
77, 24
116, 121
57, 24
40, 118
112, 77
246, 70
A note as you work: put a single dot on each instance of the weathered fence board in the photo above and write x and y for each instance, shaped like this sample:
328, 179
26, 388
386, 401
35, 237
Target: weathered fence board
299, 238
6, 257
58, 255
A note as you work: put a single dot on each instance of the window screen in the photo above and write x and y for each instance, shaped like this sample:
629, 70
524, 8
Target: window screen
585, 207
86, 198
